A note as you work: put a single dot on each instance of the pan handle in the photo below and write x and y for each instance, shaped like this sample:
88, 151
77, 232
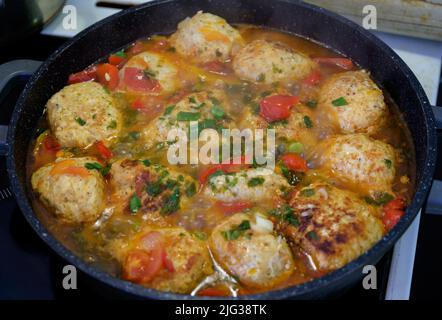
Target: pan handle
434, 203
10, 72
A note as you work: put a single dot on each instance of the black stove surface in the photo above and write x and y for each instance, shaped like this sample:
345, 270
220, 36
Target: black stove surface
30, 270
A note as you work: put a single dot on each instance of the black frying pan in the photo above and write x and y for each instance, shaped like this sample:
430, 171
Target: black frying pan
319, 25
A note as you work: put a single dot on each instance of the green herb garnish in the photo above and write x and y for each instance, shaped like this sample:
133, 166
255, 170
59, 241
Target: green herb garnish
381, 200
388, 163
237, 231
188, 116
255, 181
340, 102
172, 203
191, 190
80, 121
96, 166
308, 122
120, 53
134, 203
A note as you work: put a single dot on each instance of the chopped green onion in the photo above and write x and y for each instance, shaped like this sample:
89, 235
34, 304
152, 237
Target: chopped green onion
388, 163
308, 122
120, 54
340, 102
237, 231
80, 121
134, 203
188, 116
255, 181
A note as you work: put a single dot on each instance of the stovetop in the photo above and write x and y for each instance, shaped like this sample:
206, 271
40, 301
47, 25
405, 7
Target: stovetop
30, 270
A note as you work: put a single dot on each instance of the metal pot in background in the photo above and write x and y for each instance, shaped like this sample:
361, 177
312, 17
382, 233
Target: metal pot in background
21, 18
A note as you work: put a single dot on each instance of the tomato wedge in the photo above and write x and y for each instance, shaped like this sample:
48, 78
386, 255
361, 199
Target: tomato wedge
135, 79
107, 75
233, 207
277, 107
313, 78
393, 212
141, 266
104, 152
88, 74
294, 162
343, 63
116, 60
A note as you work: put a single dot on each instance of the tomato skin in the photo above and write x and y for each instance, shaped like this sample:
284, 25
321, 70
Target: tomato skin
51, 144
104, 152
277, 107
294, 162
141, 266
343, 63
393, 212
135, 79
216, 67
212, 292
233, 207
313, 78
116, 60
225, 167
168, 264
107, 75
88, 74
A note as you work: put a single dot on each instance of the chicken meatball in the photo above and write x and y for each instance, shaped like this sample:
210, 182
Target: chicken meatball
251, 185
83, 113
210, 108
149, 73
360, 162
75, 193
269, 62
167, 259
333, 226
353, 102
161, 191
246, 246
206, 37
